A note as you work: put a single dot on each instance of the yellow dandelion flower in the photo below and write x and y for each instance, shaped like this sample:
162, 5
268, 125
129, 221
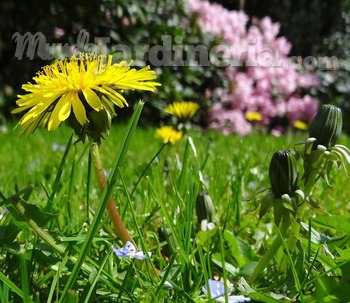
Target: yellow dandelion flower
168, 134
253, 116
300, 125
183, 110
73, 88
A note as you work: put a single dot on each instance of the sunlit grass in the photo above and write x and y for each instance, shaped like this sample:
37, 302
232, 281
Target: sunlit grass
156, 199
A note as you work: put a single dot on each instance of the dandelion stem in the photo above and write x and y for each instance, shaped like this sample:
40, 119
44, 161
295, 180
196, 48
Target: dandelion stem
310, 181
271, 252
111, 207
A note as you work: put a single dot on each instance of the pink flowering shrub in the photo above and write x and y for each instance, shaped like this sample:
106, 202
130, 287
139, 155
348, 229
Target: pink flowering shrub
260, 77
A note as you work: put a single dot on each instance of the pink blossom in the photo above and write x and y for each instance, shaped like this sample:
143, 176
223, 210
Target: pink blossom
229, 121
59, 32
303, 109
270, 30
261, 77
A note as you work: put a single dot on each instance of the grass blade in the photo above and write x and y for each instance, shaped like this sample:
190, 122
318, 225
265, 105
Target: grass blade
93, 283
11, 285
56, 183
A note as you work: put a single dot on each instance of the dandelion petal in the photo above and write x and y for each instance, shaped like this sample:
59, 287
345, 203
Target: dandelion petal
60, 112
64, 107
79, 109
92, 98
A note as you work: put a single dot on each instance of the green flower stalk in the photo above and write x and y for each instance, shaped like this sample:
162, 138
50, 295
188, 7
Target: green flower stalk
285, 198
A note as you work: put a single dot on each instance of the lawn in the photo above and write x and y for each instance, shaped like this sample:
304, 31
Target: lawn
55, 208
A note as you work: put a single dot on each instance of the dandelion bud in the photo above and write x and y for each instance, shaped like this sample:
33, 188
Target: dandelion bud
205, 208
283, 173
327, 125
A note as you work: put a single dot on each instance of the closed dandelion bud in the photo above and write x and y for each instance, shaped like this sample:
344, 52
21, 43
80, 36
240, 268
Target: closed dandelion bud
283, 173
205, 208
327, 125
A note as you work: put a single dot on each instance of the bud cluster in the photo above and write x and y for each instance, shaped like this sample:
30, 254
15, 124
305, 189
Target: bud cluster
320, 151
319, 154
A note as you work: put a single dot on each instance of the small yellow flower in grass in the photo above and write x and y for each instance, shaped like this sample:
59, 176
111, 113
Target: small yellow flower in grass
76, 87
184, 110
300, 125
253, 116
168, 134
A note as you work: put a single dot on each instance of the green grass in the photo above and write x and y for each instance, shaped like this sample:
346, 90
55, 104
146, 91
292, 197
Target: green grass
157, 200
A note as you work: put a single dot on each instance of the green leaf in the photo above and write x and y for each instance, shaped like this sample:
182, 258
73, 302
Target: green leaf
324, 286
262, 297
344, 254
204, 237
326, 258
265, 205
33, 212
343, 291
216, 258
234, 248
339, 223
316, 237
8, 233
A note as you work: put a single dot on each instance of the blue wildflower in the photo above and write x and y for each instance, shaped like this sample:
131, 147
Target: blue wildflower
217, 292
